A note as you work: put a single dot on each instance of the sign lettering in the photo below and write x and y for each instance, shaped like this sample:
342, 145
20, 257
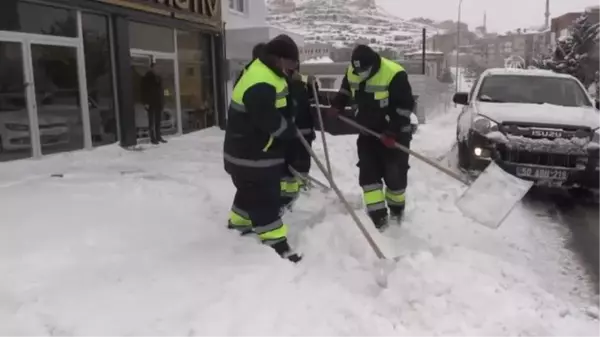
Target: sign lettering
546, 133
203, 10
209, 8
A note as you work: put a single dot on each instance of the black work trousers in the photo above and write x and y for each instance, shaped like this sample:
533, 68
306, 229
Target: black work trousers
154, 119
378, 165
299, 159
259, 198
297, 156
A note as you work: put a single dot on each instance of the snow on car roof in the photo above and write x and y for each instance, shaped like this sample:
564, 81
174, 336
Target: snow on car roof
524, 72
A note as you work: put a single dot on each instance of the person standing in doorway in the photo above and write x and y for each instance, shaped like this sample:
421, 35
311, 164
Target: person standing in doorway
153, 100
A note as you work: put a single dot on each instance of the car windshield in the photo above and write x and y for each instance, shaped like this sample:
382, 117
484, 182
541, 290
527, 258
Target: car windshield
532, 89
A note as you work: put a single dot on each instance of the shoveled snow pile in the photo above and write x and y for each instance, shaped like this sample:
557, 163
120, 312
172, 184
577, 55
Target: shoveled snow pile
124, 243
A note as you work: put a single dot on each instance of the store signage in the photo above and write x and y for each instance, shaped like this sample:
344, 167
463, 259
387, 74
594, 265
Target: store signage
208, 8
203, 9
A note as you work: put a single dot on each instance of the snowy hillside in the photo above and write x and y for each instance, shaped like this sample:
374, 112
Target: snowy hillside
135, 243
343, 22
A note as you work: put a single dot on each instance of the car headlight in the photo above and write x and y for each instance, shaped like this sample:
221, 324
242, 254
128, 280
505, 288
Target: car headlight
484, 125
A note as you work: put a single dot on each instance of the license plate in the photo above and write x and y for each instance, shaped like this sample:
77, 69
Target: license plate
542, 173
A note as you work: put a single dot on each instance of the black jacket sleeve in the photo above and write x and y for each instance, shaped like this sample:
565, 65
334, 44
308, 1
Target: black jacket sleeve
343, 96
259, 101
401, 104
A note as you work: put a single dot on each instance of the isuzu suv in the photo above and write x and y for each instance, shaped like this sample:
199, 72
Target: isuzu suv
537, 124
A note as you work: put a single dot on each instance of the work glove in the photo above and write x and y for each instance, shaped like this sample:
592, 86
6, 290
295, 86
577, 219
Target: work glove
388, 139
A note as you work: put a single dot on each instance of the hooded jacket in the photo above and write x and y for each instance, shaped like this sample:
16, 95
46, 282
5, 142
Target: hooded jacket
369, 114
248, 133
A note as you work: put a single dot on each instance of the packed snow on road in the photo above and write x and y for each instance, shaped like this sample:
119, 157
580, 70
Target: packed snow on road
110, 241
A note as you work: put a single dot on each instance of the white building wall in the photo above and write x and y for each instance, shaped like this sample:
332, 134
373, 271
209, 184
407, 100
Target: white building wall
244, 29
254, 14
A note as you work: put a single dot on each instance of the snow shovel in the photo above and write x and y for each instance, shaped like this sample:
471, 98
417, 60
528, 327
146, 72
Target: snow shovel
347, 205
322, 126
488, 200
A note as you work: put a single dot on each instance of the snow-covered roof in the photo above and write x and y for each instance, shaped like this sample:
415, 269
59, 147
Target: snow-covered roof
524, 72
427, 52
322, 59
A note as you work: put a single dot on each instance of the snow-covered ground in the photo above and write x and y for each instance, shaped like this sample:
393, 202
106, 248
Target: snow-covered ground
135, 243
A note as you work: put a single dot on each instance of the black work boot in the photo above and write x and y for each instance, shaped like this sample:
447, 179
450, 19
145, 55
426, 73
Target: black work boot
381, 222
285, 251
397, 214
380, 218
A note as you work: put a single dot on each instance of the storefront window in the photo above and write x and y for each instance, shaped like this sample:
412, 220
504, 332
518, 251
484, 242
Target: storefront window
96, 42
15, 139
149, 37
25, 17
196, 80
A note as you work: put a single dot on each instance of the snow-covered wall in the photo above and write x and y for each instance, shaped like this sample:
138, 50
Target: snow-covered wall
254, 15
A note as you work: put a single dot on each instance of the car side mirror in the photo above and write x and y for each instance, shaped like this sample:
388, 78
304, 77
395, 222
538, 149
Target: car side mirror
461, 98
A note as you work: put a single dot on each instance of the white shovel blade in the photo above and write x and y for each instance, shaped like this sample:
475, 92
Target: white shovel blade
492, 196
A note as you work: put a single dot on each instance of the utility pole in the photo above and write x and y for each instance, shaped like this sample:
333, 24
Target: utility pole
423, 51
457, 45
547, 15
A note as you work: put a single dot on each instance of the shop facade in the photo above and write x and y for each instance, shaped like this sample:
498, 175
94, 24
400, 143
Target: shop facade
71, 71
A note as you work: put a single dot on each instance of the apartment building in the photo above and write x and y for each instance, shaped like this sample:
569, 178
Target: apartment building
315, 50
523, 44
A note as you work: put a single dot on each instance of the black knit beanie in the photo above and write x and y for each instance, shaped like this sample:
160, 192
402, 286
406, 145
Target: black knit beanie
283, 46
258, 50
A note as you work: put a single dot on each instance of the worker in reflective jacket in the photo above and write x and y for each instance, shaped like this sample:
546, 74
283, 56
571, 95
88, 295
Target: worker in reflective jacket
296, 155
255, 140
381, 90
256, 52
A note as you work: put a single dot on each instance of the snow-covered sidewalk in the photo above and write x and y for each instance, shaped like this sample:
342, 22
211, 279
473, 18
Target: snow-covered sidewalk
135, 243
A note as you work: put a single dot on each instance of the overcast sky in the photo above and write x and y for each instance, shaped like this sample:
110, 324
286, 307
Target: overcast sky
502, 15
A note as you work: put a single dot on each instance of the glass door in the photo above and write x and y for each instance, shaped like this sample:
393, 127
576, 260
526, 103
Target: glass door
15, 124
44, 105
155, 89
57, 98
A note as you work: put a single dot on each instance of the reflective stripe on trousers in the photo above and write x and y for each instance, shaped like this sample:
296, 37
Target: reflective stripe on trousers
395, 198
290, 187
374, 197
272, 233
239, 218
260, 163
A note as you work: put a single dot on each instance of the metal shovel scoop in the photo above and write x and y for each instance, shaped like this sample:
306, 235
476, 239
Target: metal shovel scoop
488, 200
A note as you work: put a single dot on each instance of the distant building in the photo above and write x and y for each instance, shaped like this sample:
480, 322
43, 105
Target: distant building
435, 61
527, 44
315, 50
